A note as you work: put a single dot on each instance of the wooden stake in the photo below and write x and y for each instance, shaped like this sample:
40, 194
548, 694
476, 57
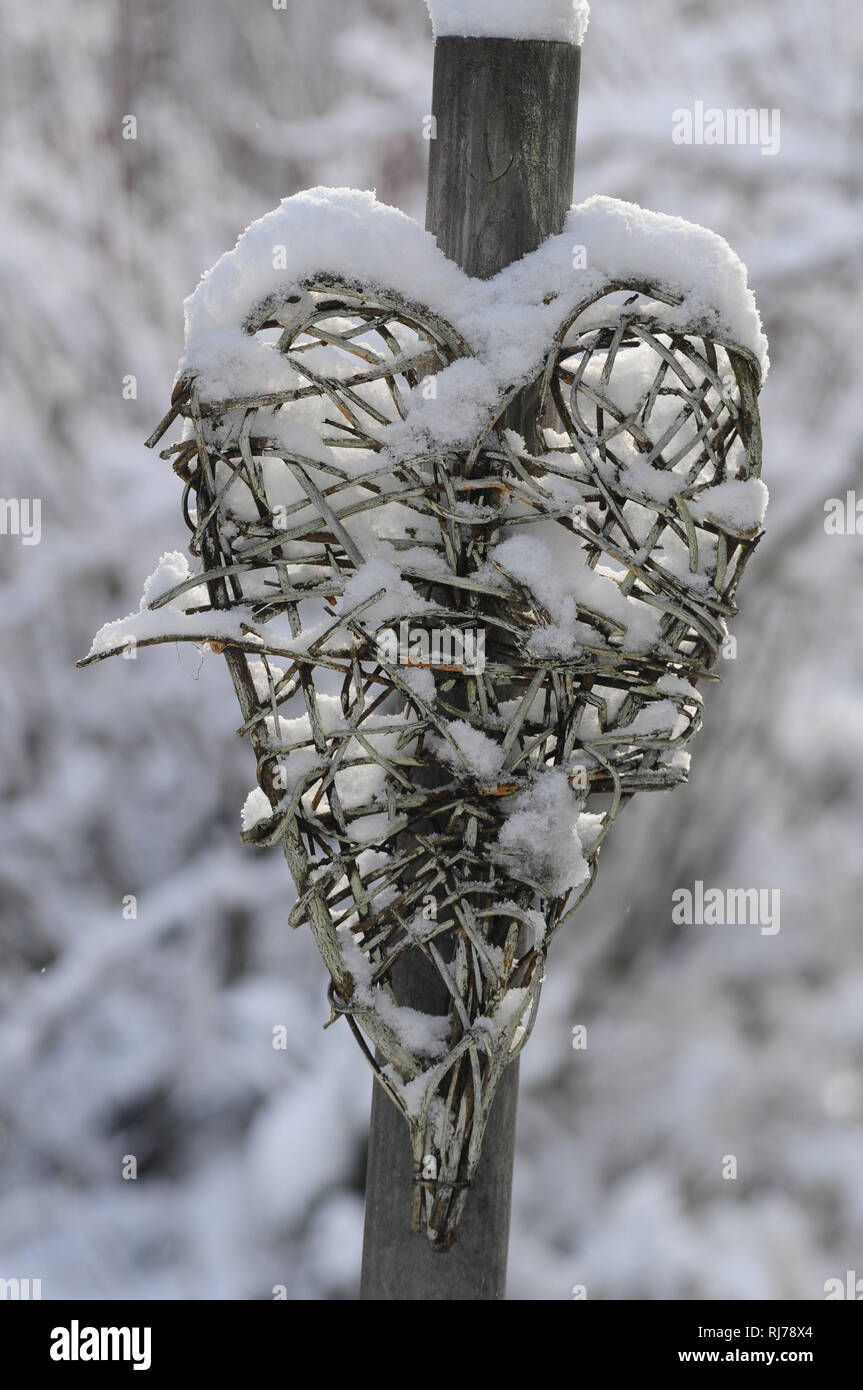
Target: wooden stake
500, 181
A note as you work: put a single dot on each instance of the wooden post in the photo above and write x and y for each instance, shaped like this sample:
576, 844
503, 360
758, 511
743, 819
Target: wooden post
501, 170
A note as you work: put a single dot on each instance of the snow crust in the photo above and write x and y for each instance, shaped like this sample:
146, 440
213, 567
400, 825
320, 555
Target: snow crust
171, 618
563, 20
508, 322
540, 836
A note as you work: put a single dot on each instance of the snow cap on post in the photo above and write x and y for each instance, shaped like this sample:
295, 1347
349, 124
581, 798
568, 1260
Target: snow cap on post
564, 21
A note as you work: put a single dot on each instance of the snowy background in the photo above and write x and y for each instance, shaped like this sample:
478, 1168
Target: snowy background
152, 1036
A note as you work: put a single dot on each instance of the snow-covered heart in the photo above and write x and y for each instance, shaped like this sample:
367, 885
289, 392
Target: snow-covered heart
459, 649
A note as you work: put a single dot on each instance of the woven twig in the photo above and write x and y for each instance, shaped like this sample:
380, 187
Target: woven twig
453, 866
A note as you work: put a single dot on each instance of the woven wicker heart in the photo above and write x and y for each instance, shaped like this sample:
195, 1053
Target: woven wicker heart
459, 650
456, 666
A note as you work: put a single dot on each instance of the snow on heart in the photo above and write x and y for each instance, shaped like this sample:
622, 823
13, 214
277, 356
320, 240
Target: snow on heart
507, 322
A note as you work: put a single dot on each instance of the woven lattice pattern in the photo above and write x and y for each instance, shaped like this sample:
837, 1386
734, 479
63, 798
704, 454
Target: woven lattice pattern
459, 665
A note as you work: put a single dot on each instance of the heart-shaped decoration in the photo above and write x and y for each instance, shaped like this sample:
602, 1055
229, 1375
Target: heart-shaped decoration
458, 649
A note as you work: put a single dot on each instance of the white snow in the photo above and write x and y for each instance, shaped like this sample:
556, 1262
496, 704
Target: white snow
399, 599
413, 1093
465, 394
371, 830
738, 506
657, 717
549, 569
258, 672
256, 809
172, 570
677, 685
474, 750
171, 619
298, 766
507, 321
540, 836
420, 680
563, 20
423, 1034
167, 623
